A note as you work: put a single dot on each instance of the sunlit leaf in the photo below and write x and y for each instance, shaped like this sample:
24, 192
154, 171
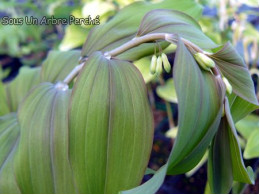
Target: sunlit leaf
247, 125
252, 145
167, 91
111, 126
75, 36
143, 66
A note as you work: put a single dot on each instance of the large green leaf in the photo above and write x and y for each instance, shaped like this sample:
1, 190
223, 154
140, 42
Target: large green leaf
200, 98
59, 64
41, 163
225, 161
235, 70
111, 126
174, 22
9, 137
124, 25
17, 89
219, 162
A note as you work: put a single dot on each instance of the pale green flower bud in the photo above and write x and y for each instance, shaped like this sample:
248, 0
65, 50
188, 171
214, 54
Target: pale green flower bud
166, 63
228, 85
159, 68
204, 61
153, 64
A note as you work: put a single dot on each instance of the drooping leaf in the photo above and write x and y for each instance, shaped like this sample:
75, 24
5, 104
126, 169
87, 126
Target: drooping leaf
200, 97
200, 106
41, 163
225, 160
59, 64
111, 127
9, 137
241, 108
123, 27
240, 173
174, 22
219, 162
235, 70
167, 92
17, 89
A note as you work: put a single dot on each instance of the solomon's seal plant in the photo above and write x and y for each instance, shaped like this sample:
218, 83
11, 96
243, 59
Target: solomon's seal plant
88, 128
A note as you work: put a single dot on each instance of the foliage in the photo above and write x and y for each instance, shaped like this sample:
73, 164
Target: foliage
81, 123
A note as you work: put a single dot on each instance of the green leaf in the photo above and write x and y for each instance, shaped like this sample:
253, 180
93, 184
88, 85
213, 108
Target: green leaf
42, 163
75, 36
111, 122
167, 91
174, 22
240, 173
247, 125
252, 145
17, 89
4, 108
235, 70
123, 27
59, 64
200, 97
241, 108
9, 137
143, 66
220, 176
200, 106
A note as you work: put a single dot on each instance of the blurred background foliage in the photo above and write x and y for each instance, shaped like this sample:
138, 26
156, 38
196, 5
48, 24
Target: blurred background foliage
23, 46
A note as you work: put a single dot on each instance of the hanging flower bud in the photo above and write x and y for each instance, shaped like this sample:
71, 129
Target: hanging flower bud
153, 64
228, 85
204, 61
166, 63
159, 68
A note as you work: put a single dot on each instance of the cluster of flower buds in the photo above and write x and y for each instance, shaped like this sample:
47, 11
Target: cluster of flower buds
160, 63
204, 61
